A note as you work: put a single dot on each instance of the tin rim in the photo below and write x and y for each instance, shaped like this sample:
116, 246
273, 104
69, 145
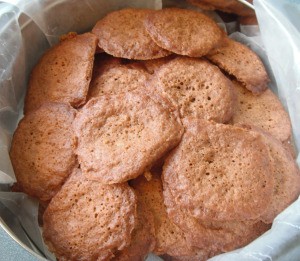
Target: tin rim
17, 240
247, 4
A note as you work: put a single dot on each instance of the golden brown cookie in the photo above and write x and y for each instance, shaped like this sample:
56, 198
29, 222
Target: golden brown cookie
226, 176
118, 79
63, 73
241, 62
197, 87
213, 236
286, 175
169, 238
121, 136
43, 150
122, 34
183, 31
87, 220
228, 6
143, 236
264, 111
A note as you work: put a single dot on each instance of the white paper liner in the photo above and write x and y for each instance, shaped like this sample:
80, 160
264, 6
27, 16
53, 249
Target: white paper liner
28, 28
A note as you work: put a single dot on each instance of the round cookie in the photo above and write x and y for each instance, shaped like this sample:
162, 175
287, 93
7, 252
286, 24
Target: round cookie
43, 150
241, 62
63, 73
227, 175
87, 220
286, 175
122, 34
228, 6
197, 87
264, 111
183, 31
121, 136
213, 236
118, 79
169, 238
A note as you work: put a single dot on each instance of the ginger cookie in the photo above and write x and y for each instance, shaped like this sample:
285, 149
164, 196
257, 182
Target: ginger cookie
183, 31
227, 175
118, 79
143, 236
264, 111
286, 175
197, 87
87, 220
241, 62
63, 74
121, 136
213, 236
122, 34
170, 239
43, 150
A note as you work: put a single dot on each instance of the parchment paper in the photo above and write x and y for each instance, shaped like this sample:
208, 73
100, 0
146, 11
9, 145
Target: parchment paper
29, 27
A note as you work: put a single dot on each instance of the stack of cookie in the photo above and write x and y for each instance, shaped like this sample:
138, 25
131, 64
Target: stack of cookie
153, 133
